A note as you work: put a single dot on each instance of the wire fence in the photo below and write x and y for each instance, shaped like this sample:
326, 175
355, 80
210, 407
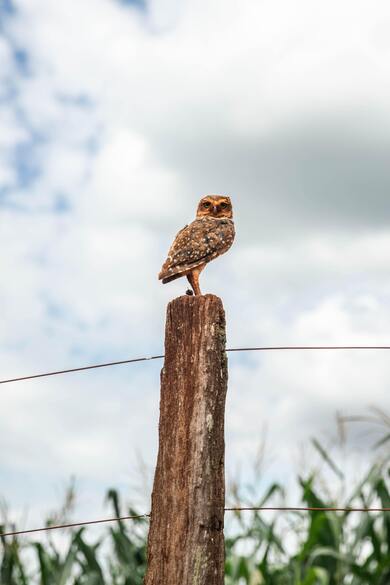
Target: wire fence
239, 509
232, 349
234, 509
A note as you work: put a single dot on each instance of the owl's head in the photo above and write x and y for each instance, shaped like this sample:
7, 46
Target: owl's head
215, 206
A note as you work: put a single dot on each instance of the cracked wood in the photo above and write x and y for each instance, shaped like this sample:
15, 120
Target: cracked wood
186, 542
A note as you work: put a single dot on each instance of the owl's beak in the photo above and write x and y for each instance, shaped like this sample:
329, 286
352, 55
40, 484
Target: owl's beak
215, 210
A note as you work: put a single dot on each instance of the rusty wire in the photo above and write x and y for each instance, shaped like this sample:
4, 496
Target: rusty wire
236, 509
233, 349
80, 369
72, 525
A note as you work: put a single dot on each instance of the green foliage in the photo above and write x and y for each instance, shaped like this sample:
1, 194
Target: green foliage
298, 548
332, 548
116, 558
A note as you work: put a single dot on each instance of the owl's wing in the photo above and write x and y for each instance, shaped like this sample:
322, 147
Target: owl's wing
197, 243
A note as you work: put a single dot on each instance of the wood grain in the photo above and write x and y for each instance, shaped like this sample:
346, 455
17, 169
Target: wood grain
186, 542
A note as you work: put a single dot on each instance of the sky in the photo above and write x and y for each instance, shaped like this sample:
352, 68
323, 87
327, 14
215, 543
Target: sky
116, 117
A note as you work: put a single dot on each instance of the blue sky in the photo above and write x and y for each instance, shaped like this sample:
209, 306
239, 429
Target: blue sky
115, 118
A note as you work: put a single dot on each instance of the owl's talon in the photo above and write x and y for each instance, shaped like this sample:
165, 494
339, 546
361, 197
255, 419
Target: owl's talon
189, 292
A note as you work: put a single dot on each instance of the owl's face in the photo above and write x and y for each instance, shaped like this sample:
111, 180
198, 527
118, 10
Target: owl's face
217, 206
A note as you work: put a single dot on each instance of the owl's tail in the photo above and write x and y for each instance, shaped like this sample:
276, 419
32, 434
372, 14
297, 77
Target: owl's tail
166, 279
179, 271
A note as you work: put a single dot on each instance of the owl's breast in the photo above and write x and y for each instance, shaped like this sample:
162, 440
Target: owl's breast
198, 243
218, 236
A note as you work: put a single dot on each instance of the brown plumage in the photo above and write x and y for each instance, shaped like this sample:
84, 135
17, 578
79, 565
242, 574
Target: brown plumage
209, 236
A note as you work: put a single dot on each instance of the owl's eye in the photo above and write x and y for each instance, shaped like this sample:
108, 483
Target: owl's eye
224, 205
206, 204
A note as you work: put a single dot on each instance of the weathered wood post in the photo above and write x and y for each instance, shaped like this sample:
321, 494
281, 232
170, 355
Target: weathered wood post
186, 542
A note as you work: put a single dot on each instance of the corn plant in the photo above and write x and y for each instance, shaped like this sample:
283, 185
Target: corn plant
295, 548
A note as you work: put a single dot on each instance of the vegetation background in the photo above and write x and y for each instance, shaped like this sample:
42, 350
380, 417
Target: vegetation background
295, 548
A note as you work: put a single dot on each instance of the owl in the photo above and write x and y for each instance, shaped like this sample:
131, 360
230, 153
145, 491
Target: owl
208, 236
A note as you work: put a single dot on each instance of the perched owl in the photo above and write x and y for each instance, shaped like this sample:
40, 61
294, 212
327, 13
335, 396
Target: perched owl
209, 236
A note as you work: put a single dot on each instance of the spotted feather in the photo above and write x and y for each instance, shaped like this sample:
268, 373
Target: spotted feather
198, 243
209, 236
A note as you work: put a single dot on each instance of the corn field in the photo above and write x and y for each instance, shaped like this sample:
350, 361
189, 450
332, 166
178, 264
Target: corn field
327, 548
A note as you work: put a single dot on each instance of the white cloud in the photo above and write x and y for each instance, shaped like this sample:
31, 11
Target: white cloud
127, 185
130, 119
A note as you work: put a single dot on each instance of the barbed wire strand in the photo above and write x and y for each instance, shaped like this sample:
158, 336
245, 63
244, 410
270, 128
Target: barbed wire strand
233, 349
238, 509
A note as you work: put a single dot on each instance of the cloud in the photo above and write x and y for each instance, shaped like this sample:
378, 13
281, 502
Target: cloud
115, 118
123, 184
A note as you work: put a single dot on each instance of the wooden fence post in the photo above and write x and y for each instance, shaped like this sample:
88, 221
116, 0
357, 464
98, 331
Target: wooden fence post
186, 542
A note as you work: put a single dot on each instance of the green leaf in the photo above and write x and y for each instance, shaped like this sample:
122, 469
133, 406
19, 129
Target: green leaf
324, 454
316, 576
